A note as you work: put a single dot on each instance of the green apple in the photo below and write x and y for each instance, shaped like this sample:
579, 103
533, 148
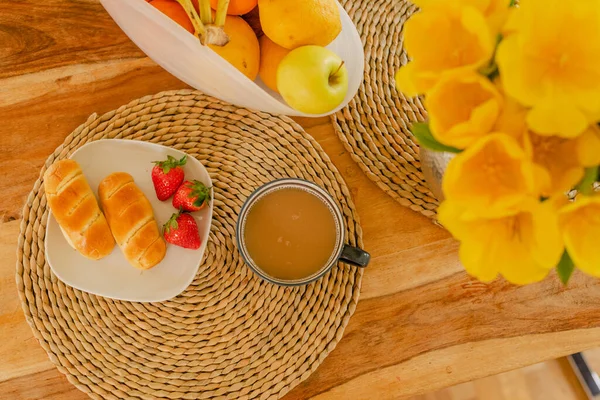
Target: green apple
312, 79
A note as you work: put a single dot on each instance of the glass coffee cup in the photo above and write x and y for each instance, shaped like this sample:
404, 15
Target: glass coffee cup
291, 232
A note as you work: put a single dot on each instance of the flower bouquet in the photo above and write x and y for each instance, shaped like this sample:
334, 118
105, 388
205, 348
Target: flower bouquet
514, 91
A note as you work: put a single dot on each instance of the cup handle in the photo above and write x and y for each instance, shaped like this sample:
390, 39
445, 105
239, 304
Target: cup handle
354, 256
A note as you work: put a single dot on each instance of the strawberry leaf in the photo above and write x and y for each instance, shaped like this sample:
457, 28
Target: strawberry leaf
199, 192
171, 224
170, 163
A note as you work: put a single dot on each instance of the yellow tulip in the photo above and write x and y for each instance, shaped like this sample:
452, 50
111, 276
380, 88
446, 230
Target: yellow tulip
462, 108
494, 11
493, 177
522, 247
549, 61
588, 147
445, 36
564, 159
512, 119
580, 224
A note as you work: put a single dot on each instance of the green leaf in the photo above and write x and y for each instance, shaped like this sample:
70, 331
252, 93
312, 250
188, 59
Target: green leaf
512, 3
586, 185
565, 267
421, 132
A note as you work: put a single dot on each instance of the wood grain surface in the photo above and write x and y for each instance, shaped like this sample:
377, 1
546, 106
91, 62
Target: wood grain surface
421, 324
550, 380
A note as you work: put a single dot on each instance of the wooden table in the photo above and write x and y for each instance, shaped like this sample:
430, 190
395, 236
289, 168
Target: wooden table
421, 323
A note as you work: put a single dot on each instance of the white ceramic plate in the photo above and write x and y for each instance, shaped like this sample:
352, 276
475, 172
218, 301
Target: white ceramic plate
113, 276
180, 53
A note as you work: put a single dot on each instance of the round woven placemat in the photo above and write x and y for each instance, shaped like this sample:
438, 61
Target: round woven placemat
229, 335
375, 126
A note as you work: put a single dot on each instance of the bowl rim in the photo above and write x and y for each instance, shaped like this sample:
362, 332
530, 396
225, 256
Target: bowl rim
275, 104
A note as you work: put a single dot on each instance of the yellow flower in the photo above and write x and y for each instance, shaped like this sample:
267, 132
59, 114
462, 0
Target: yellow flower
580, 224
522, 247
494, 11
512, 119
550, 62
493, 177
588, 147
445, 36
462, 108
564, 159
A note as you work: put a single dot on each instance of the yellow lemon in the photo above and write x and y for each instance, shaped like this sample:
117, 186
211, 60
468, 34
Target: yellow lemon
271, 55
242, 51
293, 23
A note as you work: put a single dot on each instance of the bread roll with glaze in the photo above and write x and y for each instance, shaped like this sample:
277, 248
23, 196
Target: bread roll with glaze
131, 220
76, 210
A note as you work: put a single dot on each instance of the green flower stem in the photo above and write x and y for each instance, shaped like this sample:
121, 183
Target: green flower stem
491, 69
586, 185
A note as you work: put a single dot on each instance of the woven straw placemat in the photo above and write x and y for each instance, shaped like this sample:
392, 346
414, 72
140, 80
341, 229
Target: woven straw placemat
375, 126
229, 335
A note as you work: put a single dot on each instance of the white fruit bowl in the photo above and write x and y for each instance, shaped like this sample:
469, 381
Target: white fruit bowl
180, 53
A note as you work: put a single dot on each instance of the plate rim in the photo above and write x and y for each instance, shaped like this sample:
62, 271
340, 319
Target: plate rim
202, 248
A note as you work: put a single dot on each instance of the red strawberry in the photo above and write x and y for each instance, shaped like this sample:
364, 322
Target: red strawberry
181, 230
167, 175
191, 196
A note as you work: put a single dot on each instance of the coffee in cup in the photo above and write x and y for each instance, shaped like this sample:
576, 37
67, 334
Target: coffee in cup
290, 232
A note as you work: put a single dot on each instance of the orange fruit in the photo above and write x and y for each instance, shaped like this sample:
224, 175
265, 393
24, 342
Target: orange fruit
237, 7
173, 10
242, 51
271, 55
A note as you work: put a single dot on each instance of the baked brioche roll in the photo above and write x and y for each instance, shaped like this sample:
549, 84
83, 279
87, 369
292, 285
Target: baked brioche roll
76, 210
131, 220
